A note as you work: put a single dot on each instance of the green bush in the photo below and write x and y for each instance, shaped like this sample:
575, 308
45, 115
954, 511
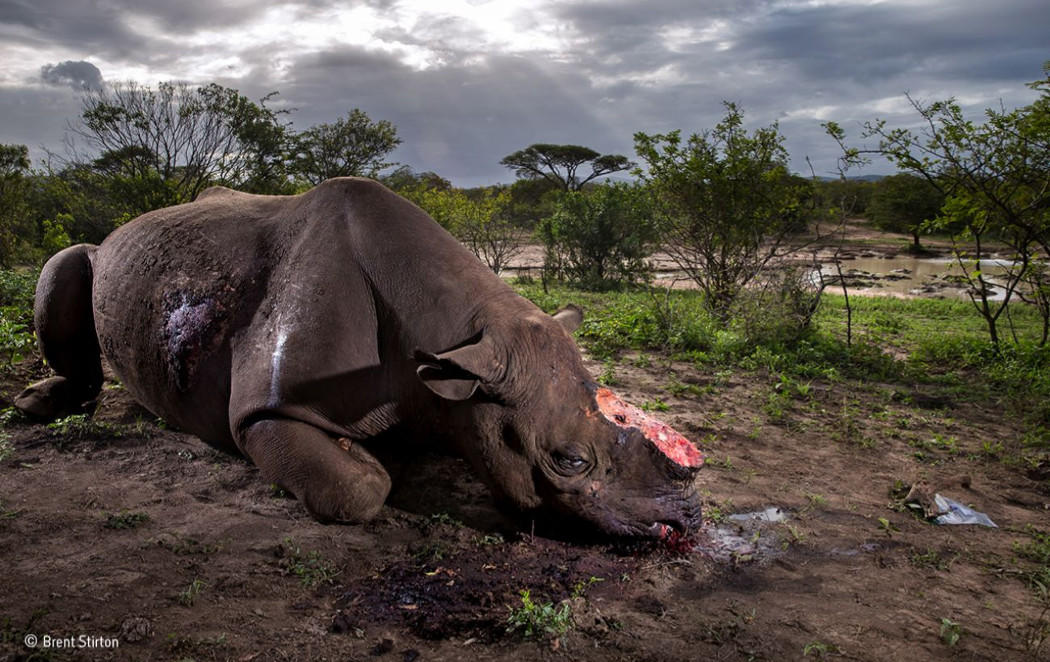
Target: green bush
600, 238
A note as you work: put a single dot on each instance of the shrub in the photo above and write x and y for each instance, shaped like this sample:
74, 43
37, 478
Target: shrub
600, 237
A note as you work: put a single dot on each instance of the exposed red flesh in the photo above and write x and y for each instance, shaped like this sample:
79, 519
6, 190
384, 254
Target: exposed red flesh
677, 542
676, 447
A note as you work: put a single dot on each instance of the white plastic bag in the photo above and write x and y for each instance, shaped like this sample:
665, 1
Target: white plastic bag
953, 512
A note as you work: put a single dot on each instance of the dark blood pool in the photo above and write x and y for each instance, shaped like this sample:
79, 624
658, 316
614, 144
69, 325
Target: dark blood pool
676, 447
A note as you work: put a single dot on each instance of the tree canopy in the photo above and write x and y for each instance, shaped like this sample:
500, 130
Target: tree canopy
560, 164
727, 200
188, 138
353, 146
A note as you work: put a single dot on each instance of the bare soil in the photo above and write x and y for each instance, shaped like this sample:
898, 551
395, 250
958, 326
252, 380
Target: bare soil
148, 537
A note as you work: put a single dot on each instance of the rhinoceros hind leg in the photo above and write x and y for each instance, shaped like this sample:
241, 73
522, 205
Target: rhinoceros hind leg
65, 327
336, 483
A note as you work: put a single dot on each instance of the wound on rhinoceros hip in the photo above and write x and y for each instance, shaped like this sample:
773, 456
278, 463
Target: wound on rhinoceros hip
677, 448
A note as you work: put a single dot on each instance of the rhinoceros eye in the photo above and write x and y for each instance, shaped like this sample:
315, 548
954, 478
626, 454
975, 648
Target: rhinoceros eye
569, 462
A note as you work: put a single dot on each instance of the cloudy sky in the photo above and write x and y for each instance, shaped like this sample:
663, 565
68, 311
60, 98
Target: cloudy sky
466, 82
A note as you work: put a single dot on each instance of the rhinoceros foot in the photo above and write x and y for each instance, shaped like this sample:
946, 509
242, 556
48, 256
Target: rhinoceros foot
52, 398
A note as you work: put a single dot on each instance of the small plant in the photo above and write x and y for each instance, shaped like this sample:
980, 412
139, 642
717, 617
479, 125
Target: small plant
11, 415
655, 405
819, 649
8, 514
6, 449
580, 587
931, 559
887, 526
125, 519
311, 568
950, 632
189, 595
797, 536
715, 514
534, 619
444, 518
608, 374
488, 539
816, 500
1037, 549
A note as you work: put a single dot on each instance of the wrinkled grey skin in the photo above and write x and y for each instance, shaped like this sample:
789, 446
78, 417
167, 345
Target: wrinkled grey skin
296, 329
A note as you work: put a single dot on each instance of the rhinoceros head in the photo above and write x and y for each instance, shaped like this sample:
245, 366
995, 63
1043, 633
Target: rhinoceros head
552, 443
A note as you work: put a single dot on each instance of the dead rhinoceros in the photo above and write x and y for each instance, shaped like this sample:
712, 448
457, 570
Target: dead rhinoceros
296, 329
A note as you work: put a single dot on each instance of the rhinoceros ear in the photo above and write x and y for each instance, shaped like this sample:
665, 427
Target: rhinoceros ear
456, 373
571, 316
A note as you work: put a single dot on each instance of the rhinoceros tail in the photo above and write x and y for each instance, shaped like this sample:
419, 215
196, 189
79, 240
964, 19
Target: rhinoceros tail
65, 329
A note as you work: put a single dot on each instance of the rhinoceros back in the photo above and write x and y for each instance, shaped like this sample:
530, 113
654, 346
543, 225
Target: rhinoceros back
171, 289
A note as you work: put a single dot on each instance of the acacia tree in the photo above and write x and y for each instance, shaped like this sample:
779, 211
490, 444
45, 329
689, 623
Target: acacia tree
182, 137
559, 164
994, 176
353, 146
727, 201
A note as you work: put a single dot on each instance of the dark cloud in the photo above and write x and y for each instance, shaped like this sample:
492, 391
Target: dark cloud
80, 75
627, 67
107, 27
457, 120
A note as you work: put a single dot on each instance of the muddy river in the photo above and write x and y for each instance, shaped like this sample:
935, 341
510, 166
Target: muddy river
905, 276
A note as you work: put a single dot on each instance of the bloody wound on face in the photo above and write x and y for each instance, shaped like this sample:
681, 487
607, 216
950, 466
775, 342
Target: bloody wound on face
676, 447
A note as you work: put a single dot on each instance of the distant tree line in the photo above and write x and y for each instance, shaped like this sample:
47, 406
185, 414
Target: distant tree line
135, 148
721, 203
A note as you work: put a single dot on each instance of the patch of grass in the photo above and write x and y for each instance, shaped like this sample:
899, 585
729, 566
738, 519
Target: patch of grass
310, 567
82, 426
125, 519
607, 377
488, 539
656, 404
534, 619
932, 559
6, 447
189, 595
444, 519
678, 389
1037, 549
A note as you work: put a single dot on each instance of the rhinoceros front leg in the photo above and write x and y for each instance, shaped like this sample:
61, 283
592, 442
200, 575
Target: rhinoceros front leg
337, 481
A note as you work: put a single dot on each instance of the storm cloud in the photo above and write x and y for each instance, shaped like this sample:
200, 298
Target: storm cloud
467, 83
79, 75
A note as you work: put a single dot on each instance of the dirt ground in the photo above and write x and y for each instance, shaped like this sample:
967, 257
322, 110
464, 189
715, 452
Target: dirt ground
160, 548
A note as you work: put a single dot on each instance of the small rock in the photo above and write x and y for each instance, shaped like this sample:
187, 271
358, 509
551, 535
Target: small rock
135, 629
